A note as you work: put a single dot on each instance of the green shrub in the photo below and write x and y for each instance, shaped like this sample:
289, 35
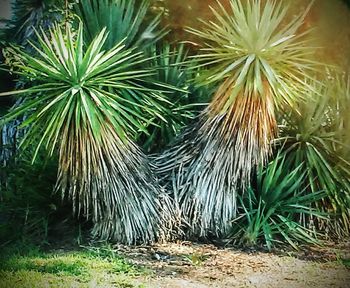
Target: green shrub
28, 266
315, 138
87, 104
28, 15
270, 211
125, 20
171, 65
30, 211
258, 62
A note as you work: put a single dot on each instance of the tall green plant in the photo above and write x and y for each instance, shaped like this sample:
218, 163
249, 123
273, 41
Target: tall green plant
88, 104
259, 61
338, 91
125, 19
172, 67
271, 209
314, 137
27, 15
261, 64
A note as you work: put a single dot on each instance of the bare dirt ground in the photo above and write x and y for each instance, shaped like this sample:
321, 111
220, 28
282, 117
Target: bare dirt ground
190, 265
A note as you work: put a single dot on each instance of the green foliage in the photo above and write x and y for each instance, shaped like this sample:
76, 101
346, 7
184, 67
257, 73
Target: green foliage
35, 268
338, 93
197, 258
172, 67
248, 46
259, 59
124, 19
271, 209
345, 262
107, 85
20, 249
51, 266
17, 257
98, 88
87, 103
28, 15
261, 62
29, 211
108, 254
315, 138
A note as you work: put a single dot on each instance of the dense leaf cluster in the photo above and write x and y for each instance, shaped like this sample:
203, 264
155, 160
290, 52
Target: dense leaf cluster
265, 161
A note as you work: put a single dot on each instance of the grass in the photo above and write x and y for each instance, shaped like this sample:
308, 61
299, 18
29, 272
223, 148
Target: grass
343, 259
196, 258
345, 262
89, 267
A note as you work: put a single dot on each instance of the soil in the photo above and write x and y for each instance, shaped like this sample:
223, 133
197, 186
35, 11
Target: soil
193, 265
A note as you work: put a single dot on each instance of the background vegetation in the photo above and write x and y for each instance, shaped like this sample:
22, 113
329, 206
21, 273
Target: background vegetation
99, 100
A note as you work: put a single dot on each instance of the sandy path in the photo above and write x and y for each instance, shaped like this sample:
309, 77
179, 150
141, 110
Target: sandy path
203, 266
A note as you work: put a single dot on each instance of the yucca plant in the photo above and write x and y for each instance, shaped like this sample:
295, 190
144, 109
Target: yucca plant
125, 19
259, 62
172, 67
338, 90
27, 15
315, 139
89, 104
130, 20
270, 209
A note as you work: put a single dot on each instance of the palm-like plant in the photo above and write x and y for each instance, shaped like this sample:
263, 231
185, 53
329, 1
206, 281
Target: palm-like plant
125, 19
270, 210
171, 66
259, 63
338, 91
27, 15
89, 103
315, 138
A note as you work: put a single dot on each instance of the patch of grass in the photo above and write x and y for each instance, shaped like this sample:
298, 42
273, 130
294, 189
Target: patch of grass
345, 261
196, 258
58, 265
33, 279
89, 267
108, 255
